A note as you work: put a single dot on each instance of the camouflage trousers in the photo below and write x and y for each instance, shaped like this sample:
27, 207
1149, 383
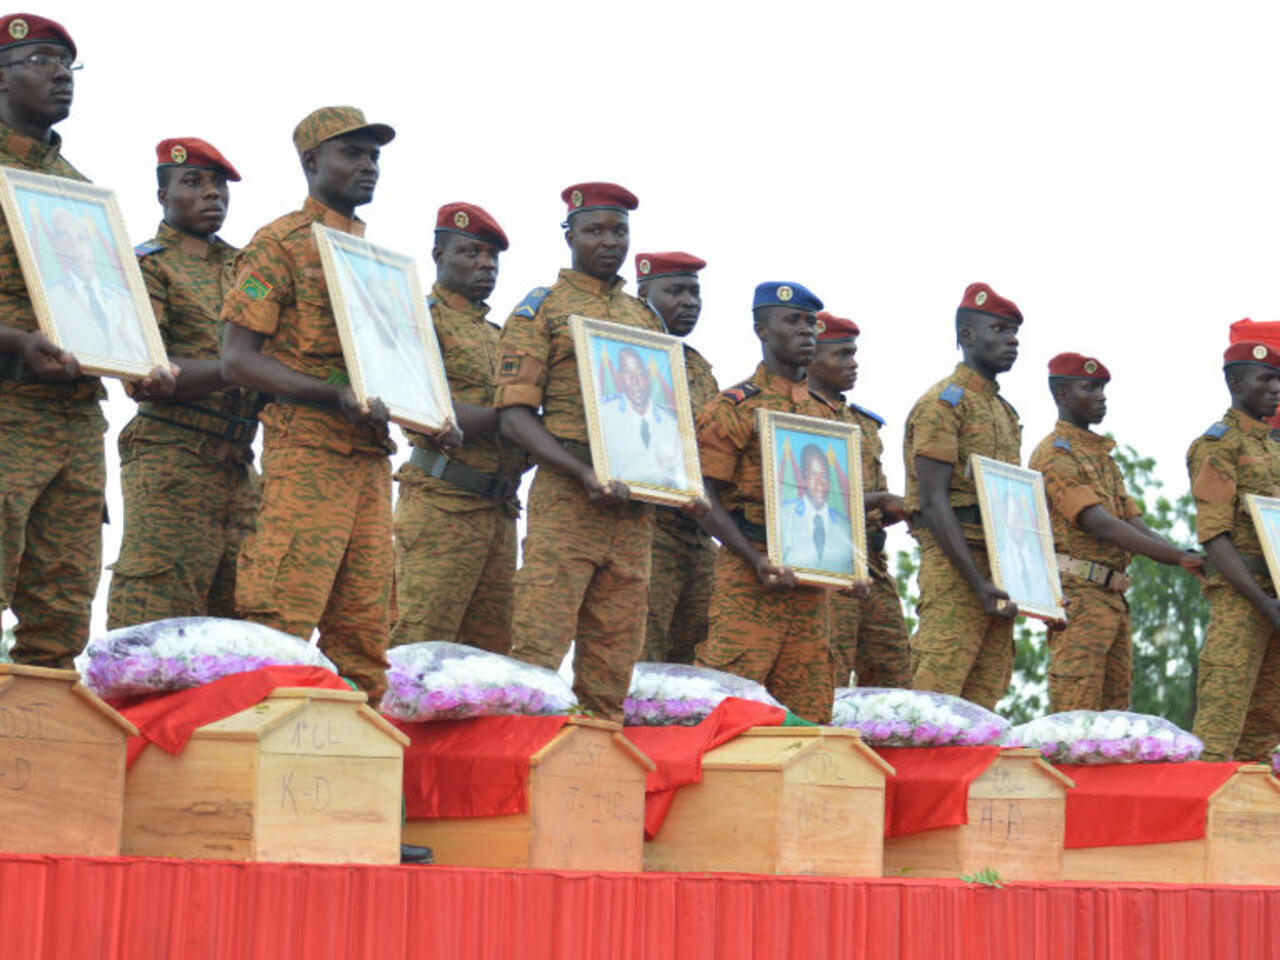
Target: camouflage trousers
585, 579
779, 638
869, 637
1091, 661
52, 481
1238, 686
185, 518
454, 568
679, 590
321, 555
958, 648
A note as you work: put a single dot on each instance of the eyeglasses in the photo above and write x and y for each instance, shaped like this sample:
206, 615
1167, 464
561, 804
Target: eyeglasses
43, 61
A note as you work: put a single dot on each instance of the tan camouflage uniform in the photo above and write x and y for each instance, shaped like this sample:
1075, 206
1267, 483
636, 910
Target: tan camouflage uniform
958, 648
585, 575
1238, 685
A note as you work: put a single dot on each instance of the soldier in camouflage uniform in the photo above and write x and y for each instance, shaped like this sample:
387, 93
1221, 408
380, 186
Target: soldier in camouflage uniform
321, 554
455, 519
190, 490
964, 644
868, 635
1238, 683
683, 554
1096, 528
762, 625
51, 459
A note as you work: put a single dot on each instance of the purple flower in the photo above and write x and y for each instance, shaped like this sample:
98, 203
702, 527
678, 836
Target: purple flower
1115, 749
1081, 749
923, 735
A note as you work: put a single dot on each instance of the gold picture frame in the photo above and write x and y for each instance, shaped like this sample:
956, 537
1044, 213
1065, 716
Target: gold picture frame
824, 545
81, 273
1019, 537
388, 339
1261, 510
653, 451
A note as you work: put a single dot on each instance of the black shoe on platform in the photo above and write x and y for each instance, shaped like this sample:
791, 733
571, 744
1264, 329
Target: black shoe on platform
416, 855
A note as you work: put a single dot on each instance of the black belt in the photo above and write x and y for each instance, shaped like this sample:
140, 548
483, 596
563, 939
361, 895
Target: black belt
876, 541
970, 514
1252, 562
492, 486
752, 531
211, 422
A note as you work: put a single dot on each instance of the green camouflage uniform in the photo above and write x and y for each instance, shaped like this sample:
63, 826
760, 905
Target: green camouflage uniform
1091, 661
190, 490
585, 576
455, 547
958, 648
683, 557
1238, 683
52, 466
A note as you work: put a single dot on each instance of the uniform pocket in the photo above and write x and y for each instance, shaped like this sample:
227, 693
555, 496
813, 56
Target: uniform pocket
260, 572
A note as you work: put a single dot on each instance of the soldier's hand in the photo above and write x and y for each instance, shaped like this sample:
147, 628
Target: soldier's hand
1193, 563
374, 411
893, 509
615, 493
448, 437
697, 509
774, 577
858, 589
996, 602
159, 384
48, 361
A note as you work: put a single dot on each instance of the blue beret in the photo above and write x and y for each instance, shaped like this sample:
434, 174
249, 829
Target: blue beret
777, 293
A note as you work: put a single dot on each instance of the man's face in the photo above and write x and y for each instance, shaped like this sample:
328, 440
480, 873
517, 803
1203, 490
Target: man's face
789, 334
992, 342
38, 95
1258, 389
817, 481
466, 265
598, 241
196, 199
835, 366
344, 170
1084, 401
72, 244
678, 301
635, 380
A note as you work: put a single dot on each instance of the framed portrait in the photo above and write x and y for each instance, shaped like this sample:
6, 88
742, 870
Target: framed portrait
387, 336
639, 416
1015, 523
81, 272
1265, 512
813, 506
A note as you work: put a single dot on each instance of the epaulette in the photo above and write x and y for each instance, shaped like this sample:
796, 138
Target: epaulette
530, 304
431, 302
741, 391
1062, 444
148, 247
951, 394
1216, 431
867, 413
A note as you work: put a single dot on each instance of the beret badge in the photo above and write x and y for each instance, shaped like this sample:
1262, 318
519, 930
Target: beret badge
575, 198
460, 220
18, 28
645, 266
784, 293
178, 153
1090, 367
980, 298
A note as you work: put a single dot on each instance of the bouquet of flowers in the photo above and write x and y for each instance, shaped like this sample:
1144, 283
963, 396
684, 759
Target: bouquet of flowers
915, 718
677, 694
1108, 736
449, 681
186, 652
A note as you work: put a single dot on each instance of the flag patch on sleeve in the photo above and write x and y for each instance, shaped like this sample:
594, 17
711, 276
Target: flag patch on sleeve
254, 287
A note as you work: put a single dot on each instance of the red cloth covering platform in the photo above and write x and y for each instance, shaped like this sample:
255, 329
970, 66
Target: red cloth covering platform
132, 909
931, 787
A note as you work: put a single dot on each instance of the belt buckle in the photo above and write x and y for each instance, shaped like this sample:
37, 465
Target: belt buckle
438, 465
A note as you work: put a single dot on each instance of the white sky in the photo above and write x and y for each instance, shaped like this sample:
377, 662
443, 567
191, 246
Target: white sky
1110, 167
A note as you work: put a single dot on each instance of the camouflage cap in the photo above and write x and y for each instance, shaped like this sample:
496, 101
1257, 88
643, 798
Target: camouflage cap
329, 122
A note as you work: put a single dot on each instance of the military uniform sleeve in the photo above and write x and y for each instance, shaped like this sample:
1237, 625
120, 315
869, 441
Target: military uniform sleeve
723, 433
263, 284
157, 285
522, 362
936, 432
1066, 486
1213, 484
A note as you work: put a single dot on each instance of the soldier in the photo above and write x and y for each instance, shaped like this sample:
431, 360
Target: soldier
964, 644
1238, 686
585, 575
455, 520
868, 636
51, 460
683, 554
321, 554
190, 490
1096, 529
762, 625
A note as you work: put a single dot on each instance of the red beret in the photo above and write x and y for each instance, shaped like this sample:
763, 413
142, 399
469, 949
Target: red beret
598, 196
832, 328
652, 265
1077, 366
193, 152
471, 221
1258, 353
21, 29
982, 299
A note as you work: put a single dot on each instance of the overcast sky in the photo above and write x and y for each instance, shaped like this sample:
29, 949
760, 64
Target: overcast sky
1110, 167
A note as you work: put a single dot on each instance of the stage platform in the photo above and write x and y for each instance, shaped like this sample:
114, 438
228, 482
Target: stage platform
152, 909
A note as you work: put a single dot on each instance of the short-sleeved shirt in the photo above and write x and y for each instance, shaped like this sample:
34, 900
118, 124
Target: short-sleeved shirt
729, 442
280, 291
1233, 458
960, 415
1079, 472
24, 153
538, 366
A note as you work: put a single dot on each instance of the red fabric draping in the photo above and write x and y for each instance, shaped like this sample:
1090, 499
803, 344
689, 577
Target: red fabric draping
931, 788
1126, 803
169, 719
127, 909
471, 768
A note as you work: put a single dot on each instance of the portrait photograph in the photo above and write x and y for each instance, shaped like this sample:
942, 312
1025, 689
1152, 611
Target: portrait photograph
1265, 512
81, 273
813, 497
385, 327
1015, 522
639, 415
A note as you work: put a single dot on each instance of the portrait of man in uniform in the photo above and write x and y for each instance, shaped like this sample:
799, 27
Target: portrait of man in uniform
1016, 523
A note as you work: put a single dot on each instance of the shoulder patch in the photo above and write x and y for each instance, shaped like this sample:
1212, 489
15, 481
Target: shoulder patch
431, 302
1216, 431
530, 304
740, 392
867, 413
1061, 444
147, 248
951, 394
254, 287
